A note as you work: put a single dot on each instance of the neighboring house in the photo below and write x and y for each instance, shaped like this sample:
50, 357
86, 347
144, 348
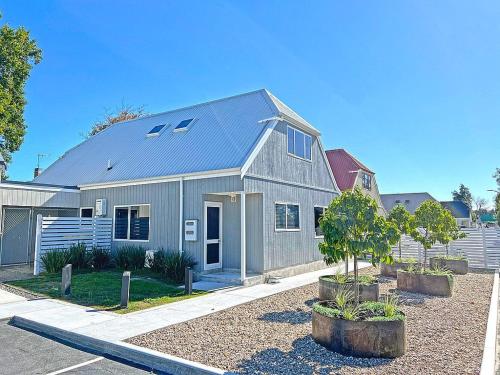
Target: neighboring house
246, 174
410, 200
349, 173
460, 212
488, 220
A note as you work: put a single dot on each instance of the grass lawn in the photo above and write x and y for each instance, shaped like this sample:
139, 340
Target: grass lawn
101, 290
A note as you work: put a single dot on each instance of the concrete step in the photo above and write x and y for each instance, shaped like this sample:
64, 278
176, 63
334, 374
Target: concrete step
232, 278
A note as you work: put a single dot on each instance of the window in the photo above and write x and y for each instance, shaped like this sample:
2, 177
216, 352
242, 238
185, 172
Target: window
367, 181
318, 213
86, 212
132, 223
156, 130
183, 125
287, 216
299, 143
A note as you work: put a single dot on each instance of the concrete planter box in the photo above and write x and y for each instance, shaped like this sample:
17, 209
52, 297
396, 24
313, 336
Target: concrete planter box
391, 270
457, 266
434, 285
385, 339
328, 289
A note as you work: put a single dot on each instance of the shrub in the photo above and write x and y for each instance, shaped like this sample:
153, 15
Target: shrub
157, 262
80, 258
130, 257
175, 263
54, 260
101, 258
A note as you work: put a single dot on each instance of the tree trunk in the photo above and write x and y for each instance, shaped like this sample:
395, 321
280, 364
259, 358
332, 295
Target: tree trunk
425, 258
356, 287
446, 249
400, 250
346, 266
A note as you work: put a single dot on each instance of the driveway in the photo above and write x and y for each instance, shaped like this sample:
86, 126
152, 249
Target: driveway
28, 353
10, 273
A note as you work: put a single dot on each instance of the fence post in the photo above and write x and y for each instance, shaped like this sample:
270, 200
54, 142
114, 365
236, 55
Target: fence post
188, 280
485, 253
66, 280
125, 289
38, 242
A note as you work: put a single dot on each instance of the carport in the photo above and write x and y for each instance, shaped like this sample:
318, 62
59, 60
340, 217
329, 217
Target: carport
20, 203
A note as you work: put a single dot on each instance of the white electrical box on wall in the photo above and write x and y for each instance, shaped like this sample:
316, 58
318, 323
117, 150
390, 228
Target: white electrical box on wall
100, 207
190, 230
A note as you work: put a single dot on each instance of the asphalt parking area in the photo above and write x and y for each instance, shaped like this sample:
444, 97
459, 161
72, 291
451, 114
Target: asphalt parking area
25, 353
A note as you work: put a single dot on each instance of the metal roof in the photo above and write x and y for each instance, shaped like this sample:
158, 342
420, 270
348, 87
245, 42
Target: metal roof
410, 200
222, 137
345, 168
457, 208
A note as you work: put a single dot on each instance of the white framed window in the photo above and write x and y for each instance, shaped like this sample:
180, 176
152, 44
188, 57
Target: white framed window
131, 223
299, 144
87, 212
319, 211
287, 216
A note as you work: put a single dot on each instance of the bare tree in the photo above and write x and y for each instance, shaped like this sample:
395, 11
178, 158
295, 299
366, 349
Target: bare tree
123, 113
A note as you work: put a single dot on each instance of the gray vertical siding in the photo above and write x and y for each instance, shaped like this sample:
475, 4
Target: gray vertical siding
255, 232
164, 209
273, 161
196, 192
285, 249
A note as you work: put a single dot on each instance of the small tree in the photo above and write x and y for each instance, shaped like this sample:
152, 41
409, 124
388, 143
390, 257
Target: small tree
449, 230
428, 220
404, 221
352, 228
124, 113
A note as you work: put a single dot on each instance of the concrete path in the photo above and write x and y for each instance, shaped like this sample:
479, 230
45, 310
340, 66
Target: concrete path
113, 327
6, 297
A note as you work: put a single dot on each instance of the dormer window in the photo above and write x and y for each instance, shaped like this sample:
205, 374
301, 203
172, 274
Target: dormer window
184, 125
299, 143
156, 131
367, 181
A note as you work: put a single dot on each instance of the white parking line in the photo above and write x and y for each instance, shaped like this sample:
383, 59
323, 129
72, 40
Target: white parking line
76, 366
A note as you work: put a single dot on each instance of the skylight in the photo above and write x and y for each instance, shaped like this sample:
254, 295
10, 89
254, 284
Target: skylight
156, 130
183, 125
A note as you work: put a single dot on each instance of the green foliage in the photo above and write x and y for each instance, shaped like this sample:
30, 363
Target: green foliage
101, 258
80, 258
344, 297
175, 264
406, 260
130, 257
341, 278
450, 257
404, 221
370, 311
158, 261
449, 229
18, 54
352, 227
463, 194
54, 260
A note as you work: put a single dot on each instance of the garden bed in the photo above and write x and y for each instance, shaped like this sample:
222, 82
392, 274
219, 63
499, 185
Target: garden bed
273, 335
101, 290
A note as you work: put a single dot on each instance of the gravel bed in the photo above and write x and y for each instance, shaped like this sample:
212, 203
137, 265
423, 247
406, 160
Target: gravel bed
20, 292
272, 335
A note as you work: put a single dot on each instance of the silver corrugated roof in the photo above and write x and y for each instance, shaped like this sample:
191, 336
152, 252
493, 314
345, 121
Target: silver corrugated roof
222, 137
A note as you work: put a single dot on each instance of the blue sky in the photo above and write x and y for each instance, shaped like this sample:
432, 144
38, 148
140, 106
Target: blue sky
412, 88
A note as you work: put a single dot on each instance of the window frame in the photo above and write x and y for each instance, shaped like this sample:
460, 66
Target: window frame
368, 179
128, 222
87, 208
294, 138
286, 204
316, 235
158, 133
185, 128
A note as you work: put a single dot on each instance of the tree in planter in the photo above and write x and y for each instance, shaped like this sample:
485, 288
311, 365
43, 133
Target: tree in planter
428, 220
449, 230
404, 221
352, 228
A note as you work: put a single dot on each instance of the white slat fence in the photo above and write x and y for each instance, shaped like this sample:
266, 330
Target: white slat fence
481, 247
53, 233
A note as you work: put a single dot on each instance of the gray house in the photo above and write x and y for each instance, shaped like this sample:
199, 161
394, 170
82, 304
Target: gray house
239, 183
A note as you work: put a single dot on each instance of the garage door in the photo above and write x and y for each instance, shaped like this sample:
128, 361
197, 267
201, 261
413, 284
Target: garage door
16, 236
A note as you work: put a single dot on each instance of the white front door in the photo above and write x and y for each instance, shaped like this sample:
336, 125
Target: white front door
213, 235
